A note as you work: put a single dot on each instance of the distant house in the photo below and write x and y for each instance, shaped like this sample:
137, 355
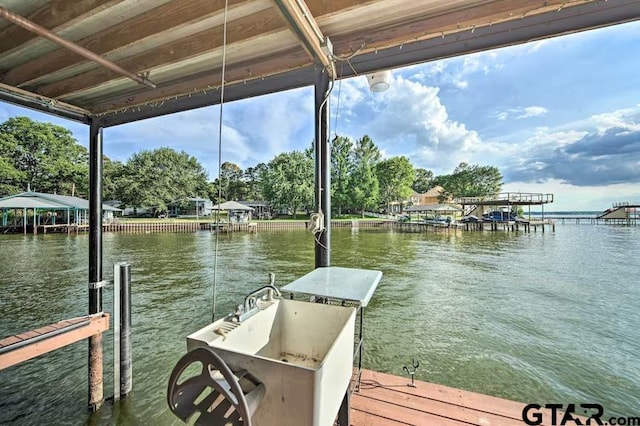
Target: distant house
432, 196
191, 207
131, 211
42, 209
261, 209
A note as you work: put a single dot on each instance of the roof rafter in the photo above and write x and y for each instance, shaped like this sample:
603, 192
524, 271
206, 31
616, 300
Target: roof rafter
166, 18
55, 17
240, 73
257, 24
71, 46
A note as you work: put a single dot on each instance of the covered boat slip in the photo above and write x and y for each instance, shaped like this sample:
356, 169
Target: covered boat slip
35, 211
109, 62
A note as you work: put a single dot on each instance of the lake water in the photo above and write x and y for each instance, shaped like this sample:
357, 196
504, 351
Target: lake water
546, 318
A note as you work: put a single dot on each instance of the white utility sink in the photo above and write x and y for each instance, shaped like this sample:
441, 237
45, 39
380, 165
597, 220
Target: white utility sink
301, 351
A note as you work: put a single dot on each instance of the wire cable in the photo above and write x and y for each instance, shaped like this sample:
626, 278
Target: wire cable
222, 73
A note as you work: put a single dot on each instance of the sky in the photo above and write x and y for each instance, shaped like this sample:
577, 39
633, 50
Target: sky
558, 116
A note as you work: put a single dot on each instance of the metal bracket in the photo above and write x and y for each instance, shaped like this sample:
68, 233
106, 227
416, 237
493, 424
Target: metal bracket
415, 364
97, 285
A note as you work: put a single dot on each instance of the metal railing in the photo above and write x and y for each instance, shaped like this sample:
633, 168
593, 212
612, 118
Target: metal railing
508, 198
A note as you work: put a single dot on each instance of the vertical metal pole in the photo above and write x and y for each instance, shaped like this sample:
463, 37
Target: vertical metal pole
126, 365
122, 363
116, 331
96, 391
322, 167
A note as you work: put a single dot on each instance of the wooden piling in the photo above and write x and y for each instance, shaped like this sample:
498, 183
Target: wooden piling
96, 392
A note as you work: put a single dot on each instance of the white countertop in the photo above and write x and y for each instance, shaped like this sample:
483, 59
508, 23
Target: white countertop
336, 282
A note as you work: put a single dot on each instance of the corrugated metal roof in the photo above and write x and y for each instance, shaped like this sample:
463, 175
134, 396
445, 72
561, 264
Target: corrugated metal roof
178, 44
231, 205
53, 201
20, 202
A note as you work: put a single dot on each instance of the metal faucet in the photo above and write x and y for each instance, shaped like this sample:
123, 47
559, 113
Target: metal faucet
250, 305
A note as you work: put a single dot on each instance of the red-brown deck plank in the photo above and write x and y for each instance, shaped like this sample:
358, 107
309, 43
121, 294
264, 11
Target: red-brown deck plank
405, 415
447, 394
45, 329
443, 409
362, 418
384, 399
10, 341
28, 334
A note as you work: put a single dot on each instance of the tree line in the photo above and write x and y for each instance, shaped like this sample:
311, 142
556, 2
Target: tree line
48, 159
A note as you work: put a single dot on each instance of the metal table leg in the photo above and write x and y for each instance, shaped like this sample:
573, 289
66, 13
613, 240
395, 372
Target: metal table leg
345, 408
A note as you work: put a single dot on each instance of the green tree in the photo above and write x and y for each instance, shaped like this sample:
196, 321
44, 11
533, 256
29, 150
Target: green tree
43, 155
233, 185
252, 179
341, 156
159, 177
395, 176
423, 181
112, 171
364, 187
11, 178
469, 180
287, 181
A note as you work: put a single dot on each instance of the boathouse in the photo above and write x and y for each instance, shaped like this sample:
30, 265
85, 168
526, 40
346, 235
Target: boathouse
105, 64
30, 211
238, 213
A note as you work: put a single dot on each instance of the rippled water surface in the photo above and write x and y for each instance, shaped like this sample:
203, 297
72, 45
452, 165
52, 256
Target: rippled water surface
533, 317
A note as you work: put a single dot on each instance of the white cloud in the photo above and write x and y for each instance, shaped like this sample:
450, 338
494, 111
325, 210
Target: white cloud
253, 131
413, 112
534, 47
456, 71
625, 119
543, 136
520, 113
532, 111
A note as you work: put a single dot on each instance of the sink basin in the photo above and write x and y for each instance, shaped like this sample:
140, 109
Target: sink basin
301, 351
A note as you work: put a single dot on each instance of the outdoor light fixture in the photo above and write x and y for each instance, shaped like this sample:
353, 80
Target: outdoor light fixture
379, 81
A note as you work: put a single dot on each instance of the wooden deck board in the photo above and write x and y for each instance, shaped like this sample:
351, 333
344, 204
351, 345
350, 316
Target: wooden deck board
384, 399
45, 343
362, 418
9, 341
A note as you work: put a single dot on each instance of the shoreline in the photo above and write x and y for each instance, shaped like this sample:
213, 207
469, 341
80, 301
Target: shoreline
186, 226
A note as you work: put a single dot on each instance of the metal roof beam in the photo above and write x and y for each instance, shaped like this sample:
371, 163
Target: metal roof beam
40, 103
301, 22
555, 23
277, 83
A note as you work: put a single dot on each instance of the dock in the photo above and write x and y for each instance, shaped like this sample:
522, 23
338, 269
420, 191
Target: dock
387, 400
30, 344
